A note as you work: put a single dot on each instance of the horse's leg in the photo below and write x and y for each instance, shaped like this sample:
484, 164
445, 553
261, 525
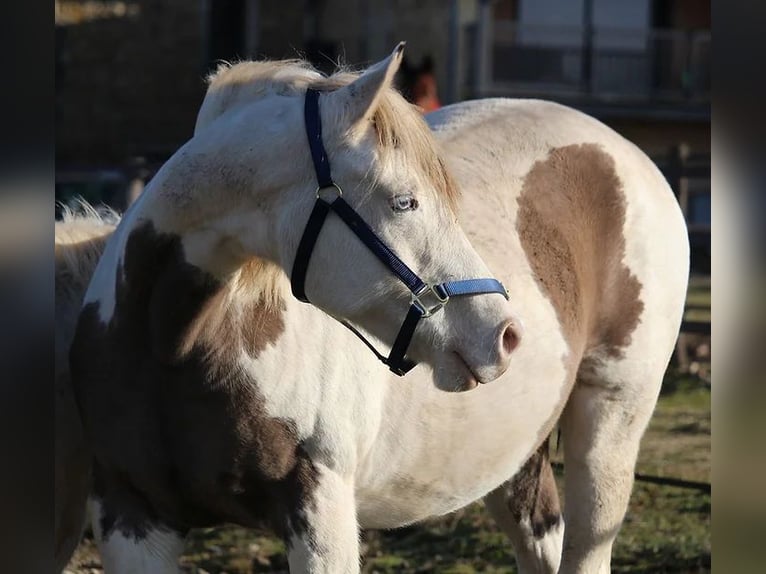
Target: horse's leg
133, 544
323, 532
527, 509
602, 425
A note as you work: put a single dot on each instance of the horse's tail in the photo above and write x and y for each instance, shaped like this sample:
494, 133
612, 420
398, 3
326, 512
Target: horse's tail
80, 239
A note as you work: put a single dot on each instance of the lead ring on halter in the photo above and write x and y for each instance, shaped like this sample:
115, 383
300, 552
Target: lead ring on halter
420, 307
335, 185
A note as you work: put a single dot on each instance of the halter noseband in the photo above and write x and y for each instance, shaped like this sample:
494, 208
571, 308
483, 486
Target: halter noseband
426, 299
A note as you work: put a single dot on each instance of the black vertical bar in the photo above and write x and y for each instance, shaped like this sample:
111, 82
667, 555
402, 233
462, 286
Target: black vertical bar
587, 45
453, 55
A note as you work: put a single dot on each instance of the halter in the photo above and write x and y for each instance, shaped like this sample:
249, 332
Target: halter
426, 298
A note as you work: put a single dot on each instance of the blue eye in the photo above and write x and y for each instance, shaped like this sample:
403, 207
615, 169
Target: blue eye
404, 202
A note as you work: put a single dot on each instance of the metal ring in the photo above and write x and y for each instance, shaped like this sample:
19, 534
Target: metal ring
420, 304
335, 185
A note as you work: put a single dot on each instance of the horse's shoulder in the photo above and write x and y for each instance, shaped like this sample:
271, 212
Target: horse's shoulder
166, 397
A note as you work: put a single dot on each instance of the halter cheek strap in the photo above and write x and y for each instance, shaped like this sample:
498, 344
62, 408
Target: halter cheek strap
426, 299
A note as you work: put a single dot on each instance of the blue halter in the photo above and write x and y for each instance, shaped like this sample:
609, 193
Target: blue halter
426, 299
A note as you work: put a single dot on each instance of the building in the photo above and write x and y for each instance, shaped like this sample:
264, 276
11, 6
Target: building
640, 66
643, 66
130, 74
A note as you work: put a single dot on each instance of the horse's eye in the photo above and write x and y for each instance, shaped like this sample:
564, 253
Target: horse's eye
404, 203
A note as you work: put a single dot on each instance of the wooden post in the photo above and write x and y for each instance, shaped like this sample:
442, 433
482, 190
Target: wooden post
484, 48
676, 174
680, 157
587, 46
252, 28
453, 54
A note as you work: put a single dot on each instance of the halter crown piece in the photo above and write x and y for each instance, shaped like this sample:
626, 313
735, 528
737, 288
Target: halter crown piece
426, 299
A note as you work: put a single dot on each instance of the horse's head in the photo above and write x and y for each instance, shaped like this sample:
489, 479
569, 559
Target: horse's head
387, 164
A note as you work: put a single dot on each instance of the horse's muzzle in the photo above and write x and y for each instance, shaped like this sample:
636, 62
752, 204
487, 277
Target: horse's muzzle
488, 362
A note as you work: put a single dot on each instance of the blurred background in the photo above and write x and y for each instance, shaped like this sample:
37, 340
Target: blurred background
130, 79
130, 75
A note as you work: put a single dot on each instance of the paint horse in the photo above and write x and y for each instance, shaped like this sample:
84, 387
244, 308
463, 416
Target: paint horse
209, 393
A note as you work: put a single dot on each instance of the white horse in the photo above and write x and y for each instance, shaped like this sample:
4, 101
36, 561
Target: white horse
210, 394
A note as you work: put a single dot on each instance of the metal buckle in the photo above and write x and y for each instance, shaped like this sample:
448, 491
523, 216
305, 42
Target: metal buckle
335, 185
417, 300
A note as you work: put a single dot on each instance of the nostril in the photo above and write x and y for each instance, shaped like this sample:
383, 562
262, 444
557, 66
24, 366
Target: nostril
511, 338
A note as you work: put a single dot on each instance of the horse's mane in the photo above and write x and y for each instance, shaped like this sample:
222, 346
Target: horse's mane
398, 124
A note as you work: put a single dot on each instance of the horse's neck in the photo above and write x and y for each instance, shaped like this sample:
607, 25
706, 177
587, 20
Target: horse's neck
317, 375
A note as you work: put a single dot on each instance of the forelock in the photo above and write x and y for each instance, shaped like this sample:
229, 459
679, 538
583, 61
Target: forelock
398, 124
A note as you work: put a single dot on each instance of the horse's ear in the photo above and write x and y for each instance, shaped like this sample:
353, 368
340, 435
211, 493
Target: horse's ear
359, 100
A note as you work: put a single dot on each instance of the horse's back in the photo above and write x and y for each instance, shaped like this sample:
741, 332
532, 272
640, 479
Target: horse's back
587, 210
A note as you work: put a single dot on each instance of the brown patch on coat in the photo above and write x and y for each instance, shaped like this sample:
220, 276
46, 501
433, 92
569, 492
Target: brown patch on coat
532, 493
222, 324
179, 432
570, 222
261, 325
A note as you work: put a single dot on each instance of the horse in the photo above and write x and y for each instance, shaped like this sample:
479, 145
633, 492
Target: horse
80, 238
418, 84
210, 391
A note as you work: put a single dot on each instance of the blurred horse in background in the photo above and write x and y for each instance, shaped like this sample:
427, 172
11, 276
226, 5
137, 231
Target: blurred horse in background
418, 84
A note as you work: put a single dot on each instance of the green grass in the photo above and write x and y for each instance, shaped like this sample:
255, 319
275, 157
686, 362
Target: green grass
667, 529
699, 299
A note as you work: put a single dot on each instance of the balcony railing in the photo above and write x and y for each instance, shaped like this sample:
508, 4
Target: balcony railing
603, 64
